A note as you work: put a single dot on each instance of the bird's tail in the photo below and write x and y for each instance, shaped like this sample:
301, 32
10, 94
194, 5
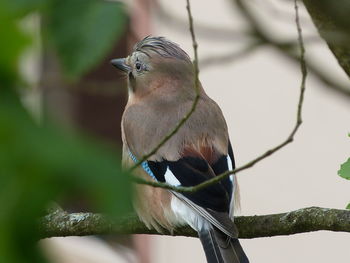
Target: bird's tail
220, 248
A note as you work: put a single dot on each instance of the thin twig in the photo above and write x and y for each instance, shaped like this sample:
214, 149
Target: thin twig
288, 140
249, 49
299, 121
271, 10
230, 57
195, 101
261, 33
302, 65
209, 32
195, 47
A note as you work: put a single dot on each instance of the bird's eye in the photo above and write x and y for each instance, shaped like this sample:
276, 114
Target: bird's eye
138, 66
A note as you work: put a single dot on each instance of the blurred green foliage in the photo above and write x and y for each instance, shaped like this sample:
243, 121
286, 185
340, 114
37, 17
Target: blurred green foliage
39, 163
83, 32
12, 43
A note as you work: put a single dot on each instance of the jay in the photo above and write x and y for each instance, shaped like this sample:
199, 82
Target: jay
161, 88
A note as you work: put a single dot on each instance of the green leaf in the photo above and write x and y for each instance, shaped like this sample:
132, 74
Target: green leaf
83, 31
345, 170
13, 41
41, 164
348, 206
20, 8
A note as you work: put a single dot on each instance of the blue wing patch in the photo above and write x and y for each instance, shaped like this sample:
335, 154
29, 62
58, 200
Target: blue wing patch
144, 165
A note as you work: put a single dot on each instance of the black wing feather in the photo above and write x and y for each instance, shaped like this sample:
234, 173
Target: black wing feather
191, 171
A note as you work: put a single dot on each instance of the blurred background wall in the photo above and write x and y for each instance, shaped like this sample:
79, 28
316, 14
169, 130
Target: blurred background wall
258, 92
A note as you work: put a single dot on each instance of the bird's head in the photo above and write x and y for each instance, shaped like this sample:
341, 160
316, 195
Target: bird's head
157, 64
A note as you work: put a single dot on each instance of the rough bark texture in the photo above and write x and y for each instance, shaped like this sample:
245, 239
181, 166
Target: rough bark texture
332, 21
60, 223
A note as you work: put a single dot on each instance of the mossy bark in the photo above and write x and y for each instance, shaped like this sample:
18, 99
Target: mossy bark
60, 223
332, 21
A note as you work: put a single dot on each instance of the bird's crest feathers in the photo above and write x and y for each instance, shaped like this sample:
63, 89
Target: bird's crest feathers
162, 47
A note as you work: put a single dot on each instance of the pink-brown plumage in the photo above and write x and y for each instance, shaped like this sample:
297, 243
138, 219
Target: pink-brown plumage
161, 93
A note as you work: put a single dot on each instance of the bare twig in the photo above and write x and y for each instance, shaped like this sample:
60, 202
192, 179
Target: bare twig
230, 57
287, 46
60, 224
330, 82
287, 51
212, 32
209, 32
288, 140
195, 47
269, 7
290, 137
195, 101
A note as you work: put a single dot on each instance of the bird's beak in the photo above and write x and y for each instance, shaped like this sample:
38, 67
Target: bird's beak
119, 63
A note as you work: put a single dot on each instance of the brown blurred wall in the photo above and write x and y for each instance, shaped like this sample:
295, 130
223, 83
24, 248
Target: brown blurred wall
94, 104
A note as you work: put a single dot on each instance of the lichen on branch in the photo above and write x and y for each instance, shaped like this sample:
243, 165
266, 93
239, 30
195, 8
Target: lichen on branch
60, 224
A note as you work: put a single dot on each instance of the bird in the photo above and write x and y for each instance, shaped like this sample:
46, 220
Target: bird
161, 90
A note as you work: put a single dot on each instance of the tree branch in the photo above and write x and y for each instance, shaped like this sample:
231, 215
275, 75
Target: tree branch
60, 224
288, 50
209, 32
330, 23
230, 57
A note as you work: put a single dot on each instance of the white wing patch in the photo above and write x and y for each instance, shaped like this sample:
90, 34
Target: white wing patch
185, 214
229, 162
230, 168
232, 179
170, 178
